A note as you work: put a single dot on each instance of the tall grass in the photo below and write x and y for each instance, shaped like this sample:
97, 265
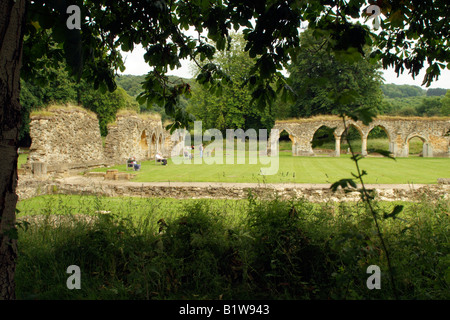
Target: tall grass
211, 249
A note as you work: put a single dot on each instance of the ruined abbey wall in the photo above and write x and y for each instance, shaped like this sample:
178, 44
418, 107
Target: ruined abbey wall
434, 132
64, 138
134, 135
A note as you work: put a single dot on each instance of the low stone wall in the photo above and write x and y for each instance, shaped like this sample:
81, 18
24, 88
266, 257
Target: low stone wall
315, 193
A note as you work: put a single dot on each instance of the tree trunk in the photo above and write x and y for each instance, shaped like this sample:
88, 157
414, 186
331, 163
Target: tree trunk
12, 15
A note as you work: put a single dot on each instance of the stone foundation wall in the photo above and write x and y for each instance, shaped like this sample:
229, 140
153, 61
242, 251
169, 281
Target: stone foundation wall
68, 138
28, 188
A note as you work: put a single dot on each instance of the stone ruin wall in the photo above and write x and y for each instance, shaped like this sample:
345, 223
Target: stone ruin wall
68, 138
134, 135
400, 130
65, 138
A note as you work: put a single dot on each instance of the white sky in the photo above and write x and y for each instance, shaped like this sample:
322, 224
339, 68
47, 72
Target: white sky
136, 65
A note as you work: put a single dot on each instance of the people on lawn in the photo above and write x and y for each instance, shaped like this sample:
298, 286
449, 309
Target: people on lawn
160, 158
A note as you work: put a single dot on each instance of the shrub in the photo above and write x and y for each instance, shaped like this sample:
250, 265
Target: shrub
286, 260
195, 248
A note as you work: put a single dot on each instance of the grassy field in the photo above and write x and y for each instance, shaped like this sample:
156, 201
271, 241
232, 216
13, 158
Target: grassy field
416, 170
22, 159
149, 209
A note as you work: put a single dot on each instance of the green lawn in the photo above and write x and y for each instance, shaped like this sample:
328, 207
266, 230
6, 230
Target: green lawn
416, 170
23, 157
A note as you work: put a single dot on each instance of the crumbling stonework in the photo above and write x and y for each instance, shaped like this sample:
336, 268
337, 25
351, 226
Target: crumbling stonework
96, 185
134, 135
68, 138
400, 130
64, 138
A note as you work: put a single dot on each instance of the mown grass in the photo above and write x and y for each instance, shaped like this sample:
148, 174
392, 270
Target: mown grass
411, 170
23, 158
212, 249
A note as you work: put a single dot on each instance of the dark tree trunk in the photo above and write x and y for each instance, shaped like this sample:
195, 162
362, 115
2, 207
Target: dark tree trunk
12, 14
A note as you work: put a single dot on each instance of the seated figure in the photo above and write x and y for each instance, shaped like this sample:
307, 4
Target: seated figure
160, 158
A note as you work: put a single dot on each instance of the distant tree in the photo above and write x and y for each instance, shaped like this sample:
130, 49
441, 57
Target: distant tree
430, 106
407, 111
411, 91
131, 83
445, 109
234, 108
317, 76
391, 90
106, 105
436, 92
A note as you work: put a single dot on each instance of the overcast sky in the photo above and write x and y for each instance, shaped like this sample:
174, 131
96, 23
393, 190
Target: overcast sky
136, 65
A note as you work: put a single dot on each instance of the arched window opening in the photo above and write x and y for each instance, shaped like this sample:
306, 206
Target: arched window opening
351, 137
143, 142
378, 140
415, 146
285, 142
324, 142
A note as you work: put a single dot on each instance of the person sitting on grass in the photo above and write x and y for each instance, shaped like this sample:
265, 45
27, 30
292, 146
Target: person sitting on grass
136, 166
160, 158
187, 152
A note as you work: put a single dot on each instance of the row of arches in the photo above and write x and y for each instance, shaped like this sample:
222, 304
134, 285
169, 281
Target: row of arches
327, 142
151, 144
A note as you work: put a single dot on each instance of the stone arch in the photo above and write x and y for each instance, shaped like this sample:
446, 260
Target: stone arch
326, 134
388, 134
343, 132
382, 126
396, 128
291, 137
160, 143
153, 145
427, 150
143, 142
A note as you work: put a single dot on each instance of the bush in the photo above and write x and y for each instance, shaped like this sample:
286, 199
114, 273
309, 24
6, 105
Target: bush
195, 248
286, 261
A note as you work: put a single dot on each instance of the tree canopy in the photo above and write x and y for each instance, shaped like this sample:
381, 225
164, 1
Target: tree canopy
318, 77
60, 88
233, 108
